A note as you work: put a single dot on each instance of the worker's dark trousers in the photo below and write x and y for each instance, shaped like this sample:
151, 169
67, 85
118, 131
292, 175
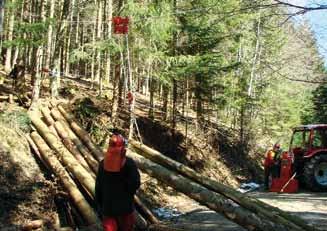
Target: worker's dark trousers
121, 223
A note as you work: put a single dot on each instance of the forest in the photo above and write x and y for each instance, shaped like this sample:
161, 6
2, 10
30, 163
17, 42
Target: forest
236, 64
211, 84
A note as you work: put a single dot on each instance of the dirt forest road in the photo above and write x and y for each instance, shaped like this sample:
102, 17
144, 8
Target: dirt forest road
312, 207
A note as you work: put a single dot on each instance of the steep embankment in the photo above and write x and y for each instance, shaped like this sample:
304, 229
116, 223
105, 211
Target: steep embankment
211, 152
25, 194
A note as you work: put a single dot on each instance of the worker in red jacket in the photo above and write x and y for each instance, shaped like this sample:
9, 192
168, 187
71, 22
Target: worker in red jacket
116, 184
271, 160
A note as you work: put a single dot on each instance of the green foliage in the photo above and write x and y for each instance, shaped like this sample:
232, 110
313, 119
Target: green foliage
319, 107
86, 109
236, 59
16, 119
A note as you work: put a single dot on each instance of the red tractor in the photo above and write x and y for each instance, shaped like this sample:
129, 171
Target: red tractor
306, 161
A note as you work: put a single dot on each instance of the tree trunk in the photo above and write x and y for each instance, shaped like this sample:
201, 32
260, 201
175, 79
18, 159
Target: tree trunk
71, 135
131, 91
149, 215
198, 98
50, 32
93, 54
254, 60
64, 155
63, 133
2, 13
115, 93
250, 203
165, 102
37, 63
212, 200
84, 208
109, 35
11, 14
174, 104
69, 36
175, 227
98, 75
83, 135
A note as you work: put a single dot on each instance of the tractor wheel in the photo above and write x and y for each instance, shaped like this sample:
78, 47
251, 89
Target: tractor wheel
315, 173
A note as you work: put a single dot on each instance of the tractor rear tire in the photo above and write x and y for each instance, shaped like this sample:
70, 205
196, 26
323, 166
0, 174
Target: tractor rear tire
315, 173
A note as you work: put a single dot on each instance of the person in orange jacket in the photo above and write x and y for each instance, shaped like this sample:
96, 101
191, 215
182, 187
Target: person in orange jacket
116, 184
271, 160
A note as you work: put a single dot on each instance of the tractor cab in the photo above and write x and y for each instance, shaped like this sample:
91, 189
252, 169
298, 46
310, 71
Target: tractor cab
309, 150
307, 140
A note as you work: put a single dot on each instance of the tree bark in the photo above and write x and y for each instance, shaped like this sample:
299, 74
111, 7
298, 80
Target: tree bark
84, 208
78, 143
64, 155
63, 133
109, 10
37, 63
149, 215
11, 13
165, 102
98, 75
50, 33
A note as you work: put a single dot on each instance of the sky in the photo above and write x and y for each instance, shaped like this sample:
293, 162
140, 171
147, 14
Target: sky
318, 21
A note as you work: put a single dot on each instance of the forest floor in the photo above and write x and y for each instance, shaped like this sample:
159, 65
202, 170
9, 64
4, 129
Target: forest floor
210, 152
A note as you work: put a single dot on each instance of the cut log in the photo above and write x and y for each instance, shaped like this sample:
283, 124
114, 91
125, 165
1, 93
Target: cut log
93, 163
141, 223
36, 224
64, 155
78, 199
47, 117
82, 134
146, 212
250, 203
212, 200
167, 227
49, 120
56, 115
37, 152
70, 146
11, 99
63, 127
8, 98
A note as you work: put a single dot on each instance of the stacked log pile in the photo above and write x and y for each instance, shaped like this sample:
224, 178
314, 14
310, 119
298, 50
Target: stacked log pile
70, 153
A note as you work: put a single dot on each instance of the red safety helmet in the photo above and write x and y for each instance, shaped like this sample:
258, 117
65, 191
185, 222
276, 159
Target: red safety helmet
115, 156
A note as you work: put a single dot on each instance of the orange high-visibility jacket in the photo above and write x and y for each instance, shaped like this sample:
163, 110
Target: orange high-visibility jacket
270, 158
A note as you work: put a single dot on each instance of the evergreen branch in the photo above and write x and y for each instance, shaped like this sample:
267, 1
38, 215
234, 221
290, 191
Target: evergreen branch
303, 9
292, 79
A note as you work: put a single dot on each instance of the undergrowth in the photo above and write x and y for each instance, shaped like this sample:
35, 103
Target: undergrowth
18, 120
89, 115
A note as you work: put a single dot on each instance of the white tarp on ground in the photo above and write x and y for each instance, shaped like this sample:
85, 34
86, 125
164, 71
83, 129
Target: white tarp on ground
248, 187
